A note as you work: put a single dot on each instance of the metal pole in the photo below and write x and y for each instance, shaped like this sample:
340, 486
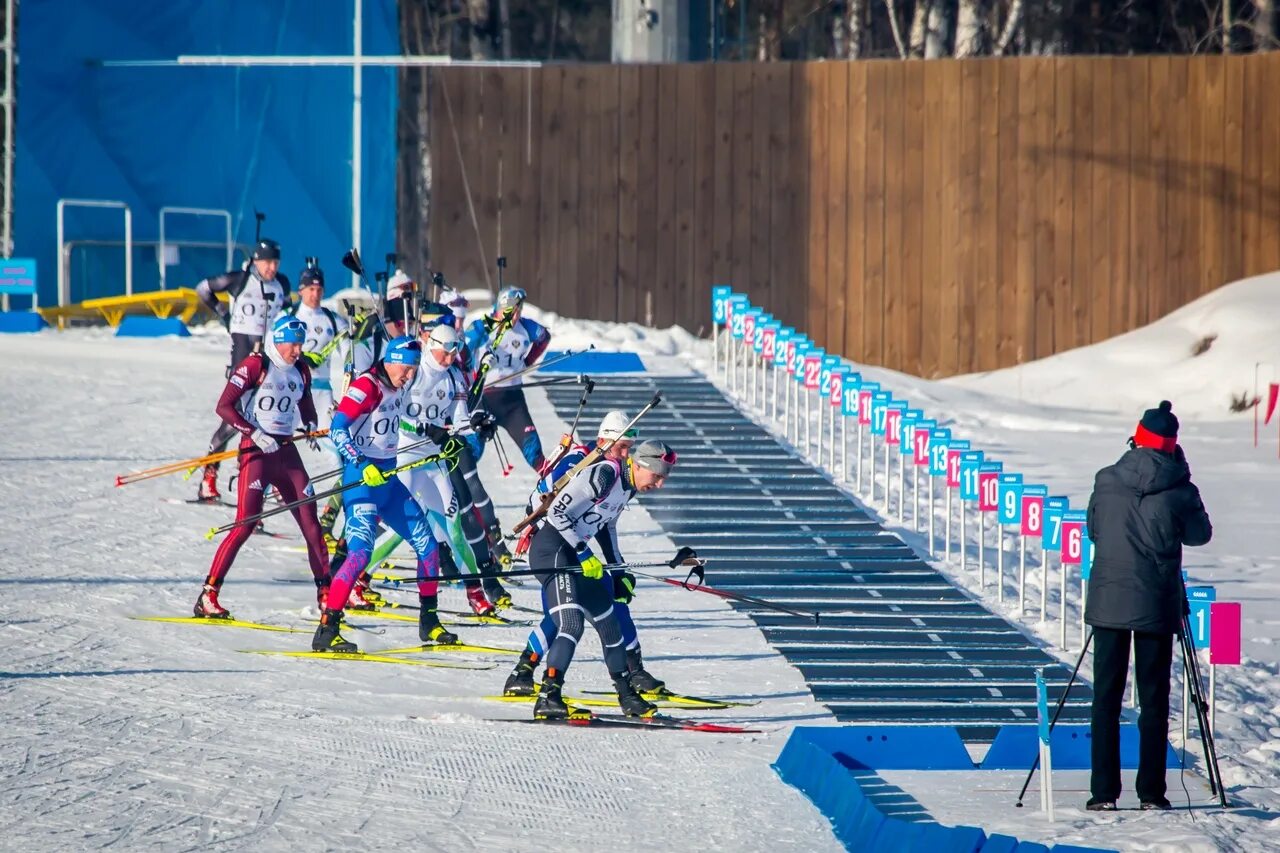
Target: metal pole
946, 535
357, 120
932, 513
982, 548
808, 420
902, 487
1022, 575
858, 461
915, 494
128, 251
844, 449
964, 545
1185, 706
999, 562
1062, 595
888, 479
831, 430
1044, 583
715, 348
1084, 598
10, 45
817, 401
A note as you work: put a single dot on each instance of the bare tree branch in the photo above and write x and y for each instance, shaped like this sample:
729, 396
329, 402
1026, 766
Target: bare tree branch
1010, 27
891, 6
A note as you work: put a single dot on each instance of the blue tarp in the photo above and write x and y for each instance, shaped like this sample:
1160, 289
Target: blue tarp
278, 139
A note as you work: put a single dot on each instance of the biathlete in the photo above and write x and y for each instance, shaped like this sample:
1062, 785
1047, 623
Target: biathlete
258, 294
574, 582
366, 431
324, 337
509, 343
615, 435
263, 400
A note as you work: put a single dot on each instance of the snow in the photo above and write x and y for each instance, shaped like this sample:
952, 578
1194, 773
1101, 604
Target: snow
141, 734
147, 735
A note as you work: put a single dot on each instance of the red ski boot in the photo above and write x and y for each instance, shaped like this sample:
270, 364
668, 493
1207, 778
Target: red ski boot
208, 492
480, 605
207, 605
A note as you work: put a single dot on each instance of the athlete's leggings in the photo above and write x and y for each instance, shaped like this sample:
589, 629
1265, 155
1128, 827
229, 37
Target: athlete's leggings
284, 470
241, 347
512, 413
432, 487
570, 600
542, 636
475, 509
391, 502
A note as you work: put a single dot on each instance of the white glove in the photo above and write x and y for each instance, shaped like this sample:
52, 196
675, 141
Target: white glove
265, 442
489, 359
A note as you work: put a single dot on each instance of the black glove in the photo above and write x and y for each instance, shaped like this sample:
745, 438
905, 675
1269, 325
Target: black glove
438, 434
624, 587
312, 442
314, 359
685, 553
484, 424
224, 317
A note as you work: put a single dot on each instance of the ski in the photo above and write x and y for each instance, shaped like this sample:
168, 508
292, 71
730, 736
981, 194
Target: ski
449, 647
460, 615
223, 623
655, 722
199, 502
591, 700
367, 657
682, 699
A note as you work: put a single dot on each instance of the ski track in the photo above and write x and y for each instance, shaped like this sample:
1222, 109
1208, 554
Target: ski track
126, 735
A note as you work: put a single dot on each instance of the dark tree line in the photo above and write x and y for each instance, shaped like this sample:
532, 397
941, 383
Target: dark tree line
580, 30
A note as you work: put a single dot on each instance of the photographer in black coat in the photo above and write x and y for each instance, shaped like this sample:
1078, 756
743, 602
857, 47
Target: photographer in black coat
1143, 510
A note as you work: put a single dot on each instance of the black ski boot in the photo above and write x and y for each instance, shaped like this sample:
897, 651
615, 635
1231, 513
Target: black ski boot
327, 638
429, 628
520, 681
550, 706
642, 681
631, 702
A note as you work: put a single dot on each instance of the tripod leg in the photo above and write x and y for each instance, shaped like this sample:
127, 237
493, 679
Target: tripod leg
1057, 711
1191, 667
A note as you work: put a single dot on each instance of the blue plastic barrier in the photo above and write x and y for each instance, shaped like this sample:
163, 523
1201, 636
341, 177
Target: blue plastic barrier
595, 362
1015, 748
828, 778
18, 322
891, 747
151, 327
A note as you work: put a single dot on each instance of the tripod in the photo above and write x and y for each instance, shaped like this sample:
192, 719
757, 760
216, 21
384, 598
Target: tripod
1195, 689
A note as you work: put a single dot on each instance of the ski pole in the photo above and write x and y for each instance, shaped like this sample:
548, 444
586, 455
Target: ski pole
448, 452
336, 471
503, 459
592, 457
1062, 700
559, 380
192, 464
732, 596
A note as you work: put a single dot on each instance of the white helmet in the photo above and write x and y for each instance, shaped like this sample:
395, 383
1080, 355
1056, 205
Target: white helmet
399, 284
614, 425
444, 337
456, 302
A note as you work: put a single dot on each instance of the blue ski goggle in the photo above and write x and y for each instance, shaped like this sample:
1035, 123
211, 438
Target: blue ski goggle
289, 331
446, 346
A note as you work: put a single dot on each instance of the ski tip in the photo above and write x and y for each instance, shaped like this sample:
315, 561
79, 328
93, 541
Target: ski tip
213, 531
119, 481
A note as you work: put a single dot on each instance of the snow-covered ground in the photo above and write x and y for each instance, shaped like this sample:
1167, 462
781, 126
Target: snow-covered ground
138, 734
145, 735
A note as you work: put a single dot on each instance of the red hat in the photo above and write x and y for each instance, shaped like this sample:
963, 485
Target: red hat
1158, 428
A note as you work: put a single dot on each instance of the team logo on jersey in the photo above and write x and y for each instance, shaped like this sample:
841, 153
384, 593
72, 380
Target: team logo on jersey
237, 380
292, 385
256, 484
356, 394
440, 393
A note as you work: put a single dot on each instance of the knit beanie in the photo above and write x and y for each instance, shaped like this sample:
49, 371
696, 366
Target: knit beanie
1158, 428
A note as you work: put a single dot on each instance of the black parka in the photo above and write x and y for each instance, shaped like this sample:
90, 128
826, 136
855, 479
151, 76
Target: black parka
1142, 511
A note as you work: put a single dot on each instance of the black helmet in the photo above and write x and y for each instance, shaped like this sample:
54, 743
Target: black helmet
266, 250
312, 274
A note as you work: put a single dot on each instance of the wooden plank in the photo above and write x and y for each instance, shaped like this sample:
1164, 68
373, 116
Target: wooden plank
740, 182
1212, 119
1182, 180
722, 179
675, 300
969, 145
1081, 289
509, 227
587, 212
837, 109
629, 183
606, 280
855, 210
797, 307
527, 168
816, 89
1102, 174
1007, 216
1256, 102
892, 345
1025, 228
935, 257
1157, 286
573, 94
669, 134
446, 193
873, 268
1063, 191
764, 108
986, 306
787, 298
1270, 176
1119, 188
910, 332
1143, 195
551, 129
1232, 151
488, 187
1045, 203
698, 308
651, 115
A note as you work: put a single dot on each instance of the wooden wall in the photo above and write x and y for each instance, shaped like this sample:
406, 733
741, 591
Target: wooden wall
935, 217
